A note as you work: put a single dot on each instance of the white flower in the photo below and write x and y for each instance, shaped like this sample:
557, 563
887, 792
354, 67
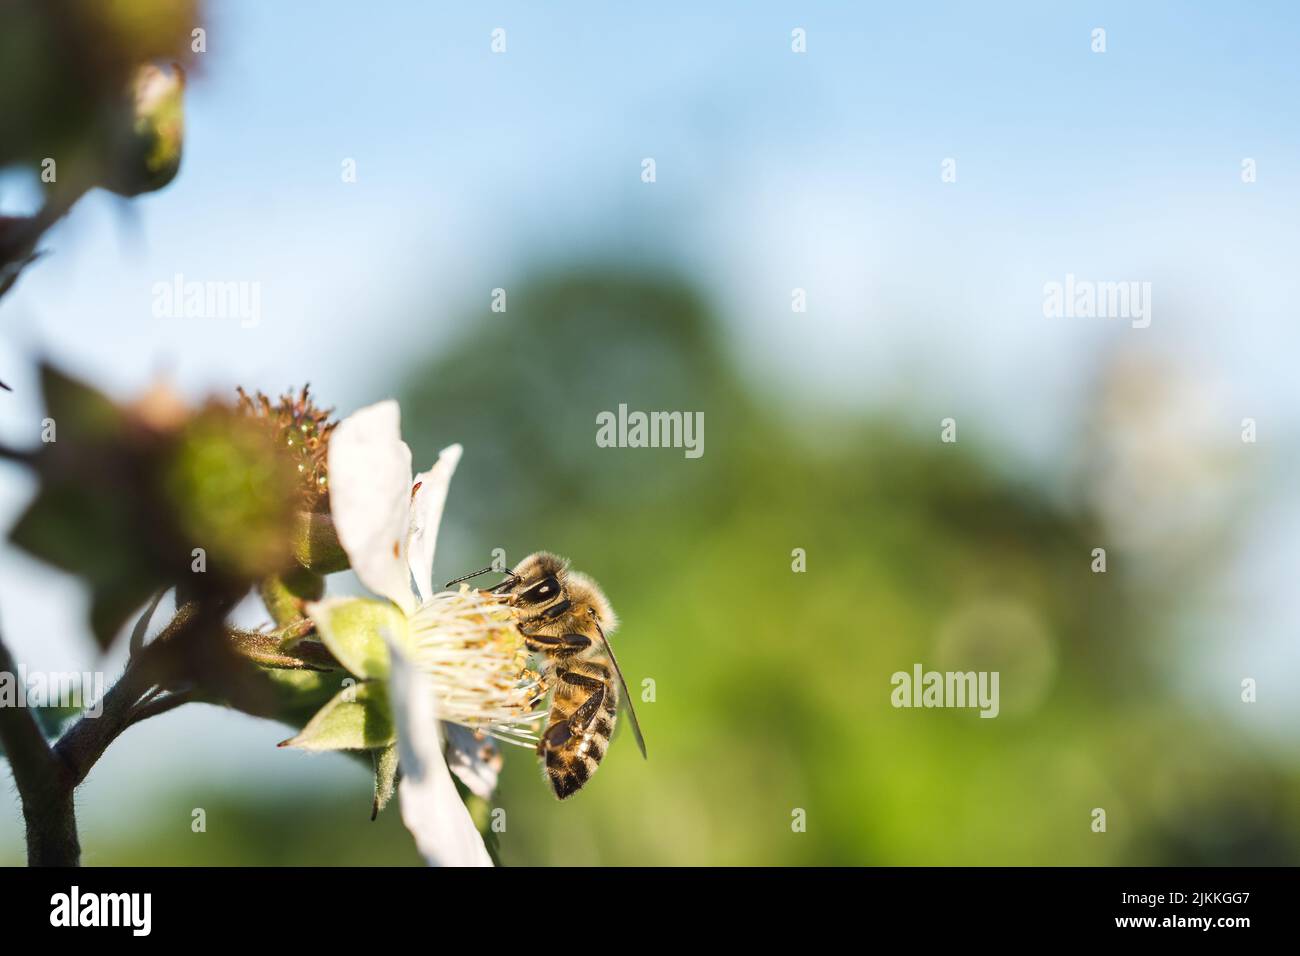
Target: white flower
453, 656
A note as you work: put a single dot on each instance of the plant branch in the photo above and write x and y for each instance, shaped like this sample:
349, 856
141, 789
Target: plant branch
85, 741
47, 776
42, 781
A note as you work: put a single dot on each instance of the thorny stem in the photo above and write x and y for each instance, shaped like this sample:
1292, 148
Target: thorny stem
159, 703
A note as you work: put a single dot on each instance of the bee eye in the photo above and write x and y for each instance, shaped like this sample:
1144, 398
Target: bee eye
544, 590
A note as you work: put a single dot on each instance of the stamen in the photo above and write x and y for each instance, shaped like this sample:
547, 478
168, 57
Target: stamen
468, 643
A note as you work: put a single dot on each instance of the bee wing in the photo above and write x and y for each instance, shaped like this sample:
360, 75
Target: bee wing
627, 695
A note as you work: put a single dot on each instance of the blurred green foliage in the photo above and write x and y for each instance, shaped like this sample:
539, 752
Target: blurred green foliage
772, 687
260, 827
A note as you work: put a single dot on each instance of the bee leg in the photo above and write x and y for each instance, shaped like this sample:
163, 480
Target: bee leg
588, 709
568, 642
579, 680
562, 731
582, 717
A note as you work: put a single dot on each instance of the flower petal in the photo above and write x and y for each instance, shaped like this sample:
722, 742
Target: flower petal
428, 496
431, 808
476, 760
370, 486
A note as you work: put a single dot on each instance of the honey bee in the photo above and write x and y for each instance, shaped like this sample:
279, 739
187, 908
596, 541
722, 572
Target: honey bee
564, 616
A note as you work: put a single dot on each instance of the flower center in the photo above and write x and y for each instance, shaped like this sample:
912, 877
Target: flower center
469, 645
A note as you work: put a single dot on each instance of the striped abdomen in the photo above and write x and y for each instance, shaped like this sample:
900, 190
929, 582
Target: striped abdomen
581, 722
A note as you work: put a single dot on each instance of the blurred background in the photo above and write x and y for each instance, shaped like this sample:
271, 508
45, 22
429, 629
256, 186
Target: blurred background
775, 171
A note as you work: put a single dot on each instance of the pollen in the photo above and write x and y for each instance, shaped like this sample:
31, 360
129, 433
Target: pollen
468, 643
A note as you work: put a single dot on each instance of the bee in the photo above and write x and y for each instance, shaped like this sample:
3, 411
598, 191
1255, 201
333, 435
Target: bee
564, 617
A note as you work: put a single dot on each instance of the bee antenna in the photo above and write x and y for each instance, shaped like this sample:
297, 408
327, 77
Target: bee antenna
474, 574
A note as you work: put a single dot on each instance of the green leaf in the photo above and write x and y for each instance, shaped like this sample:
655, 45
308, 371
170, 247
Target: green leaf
113, 603
358, 718
353, 629
89, 534
79, 411
82, 520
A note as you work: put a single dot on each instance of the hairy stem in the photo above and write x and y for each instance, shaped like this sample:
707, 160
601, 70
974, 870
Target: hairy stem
85, 741
156, 704
43, 784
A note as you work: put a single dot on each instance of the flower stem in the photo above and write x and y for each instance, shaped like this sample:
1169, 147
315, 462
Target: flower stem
43, 784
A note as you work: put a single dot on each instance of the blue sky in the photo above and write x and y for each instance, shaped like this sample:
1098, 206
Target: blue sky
775, 171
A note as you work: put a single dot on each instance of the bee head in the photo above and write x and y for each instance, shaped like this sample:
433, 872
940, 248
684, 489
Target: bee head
538, 580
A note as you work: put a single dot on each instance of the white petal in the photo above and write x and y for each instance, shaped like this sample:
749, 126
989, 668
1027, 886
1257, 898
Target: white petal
431, 808
428, 497
370, 487
477, 761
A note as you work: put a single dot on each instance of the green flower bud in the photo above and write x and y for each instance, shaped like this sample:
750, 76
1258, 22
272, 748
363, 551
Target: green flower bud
233, 494
148, 154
